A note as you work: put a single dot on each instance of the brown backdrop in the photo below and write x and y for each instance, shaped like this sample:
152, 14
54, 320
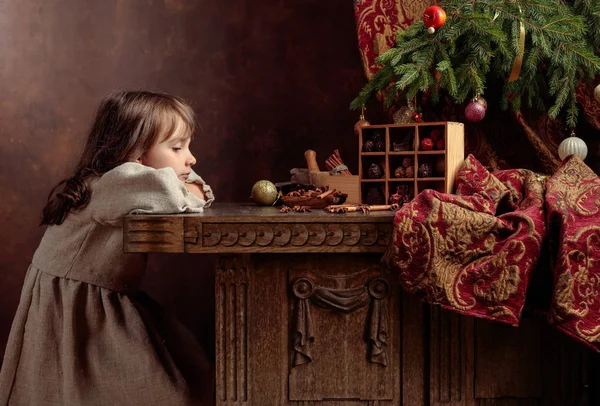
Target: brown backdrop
269, 79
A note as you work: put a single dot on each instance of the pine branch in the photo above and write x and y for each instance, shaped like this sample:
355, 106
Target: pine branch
481, 39
590, 10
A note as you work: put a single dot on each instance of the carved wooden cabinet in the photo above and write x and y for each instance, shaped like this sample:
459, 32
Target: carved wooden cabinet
307, 316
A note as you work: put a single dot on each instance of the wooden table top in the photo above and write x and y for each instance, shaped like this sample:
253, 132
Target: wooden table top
248, 228
232, 212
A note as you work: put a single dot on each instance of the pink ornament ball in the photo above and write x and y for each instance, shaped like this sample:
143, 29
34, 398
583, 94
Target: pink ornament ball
475, 112
481, 101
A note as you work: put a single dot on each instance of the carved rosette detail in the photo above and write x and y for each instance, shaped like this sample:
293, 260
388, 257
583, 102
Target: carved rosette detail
374, 293
303, 288
297, 235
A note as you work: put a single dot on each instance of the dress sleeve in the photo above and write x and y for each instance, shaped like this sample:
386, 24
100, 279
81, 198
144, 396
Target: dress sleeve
133, 188
195, 178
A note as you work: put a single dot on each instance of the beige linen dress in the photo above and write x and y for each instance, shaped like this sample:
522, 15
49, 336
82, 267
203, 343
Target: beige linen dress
83, 333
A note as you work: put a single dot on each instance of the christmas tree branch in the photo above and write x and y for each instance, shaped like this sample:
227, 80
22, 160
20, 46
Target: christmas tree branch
483, 38
519, 17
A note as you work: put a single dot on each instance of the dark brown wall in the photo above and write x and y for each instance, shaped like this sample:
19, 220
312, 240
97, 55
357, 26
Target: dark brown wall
268, 78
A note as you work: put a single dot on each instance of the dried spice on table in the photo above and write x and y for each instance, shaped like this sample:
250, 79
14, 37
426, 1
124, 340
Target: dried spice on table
315, 199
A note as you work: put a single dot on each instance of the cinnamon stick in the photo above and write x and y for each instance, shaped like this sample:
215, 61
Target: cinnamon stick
382, 207
334, 161
347, 208
325, 194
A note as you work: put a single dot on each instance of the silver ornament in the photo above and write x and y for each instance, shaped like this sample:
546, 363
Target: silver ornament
597, 93
572, 146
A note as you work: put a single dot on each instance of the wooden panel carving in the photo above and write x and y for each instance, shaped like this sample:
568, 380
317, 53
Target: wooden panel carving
344, 301
451, 358
231, 301
343, 342
414, 351
565, 366
508, 359
285, 237
153, 234
477, 362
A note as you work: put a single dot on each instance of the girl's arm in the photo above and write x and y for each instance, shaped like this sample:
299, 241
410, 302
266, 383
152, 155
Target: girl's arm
197, 186
134, 188
195, 189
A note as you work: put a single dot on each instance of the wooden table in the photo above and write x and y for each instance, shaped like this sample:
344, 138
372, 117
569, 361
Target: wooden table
306, 315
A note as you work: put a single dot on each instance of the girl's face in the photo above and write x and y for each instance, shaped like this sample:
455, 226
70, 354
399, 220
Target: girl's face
173, 152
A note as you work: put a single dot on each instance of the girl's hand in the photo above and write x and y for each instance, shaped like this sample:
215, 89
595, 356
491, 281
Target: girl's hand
195, 189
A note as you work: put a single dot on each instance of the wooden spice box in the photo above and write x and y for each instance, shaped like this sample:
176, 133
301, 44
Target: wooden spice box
348, 184
400, 141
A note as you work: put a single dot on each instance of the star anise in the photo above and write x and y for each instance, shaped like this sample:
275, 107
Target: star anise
302, 209
363, 207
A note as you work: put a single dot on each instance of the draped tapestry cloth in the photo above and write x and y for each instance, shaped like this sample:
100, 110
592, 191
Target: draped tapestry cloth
474, 252
573, 203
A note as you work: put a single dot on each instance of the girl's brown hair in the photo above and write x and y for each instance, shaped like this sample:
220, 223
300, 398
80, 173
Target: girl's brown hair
127, 124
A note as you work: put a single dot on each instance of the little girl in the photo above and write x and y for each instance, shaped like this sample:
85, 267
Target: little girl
83, 334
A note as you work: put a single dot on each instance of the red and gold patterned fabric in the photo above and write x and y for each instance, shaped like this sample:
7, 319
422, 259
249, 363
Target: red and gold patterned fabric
473, 252
573, 203
377, 22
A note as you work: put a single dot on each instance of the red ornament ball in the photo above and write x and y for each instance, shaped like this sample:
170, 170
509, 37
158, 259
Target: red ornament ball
440, 144
417, 117
426, 144
435, 135
434, 18
475, 112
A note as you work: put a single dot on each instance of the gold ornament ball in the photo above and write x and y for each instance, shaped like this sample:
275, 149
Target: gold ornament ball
264, 193
597, 93
360, 124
